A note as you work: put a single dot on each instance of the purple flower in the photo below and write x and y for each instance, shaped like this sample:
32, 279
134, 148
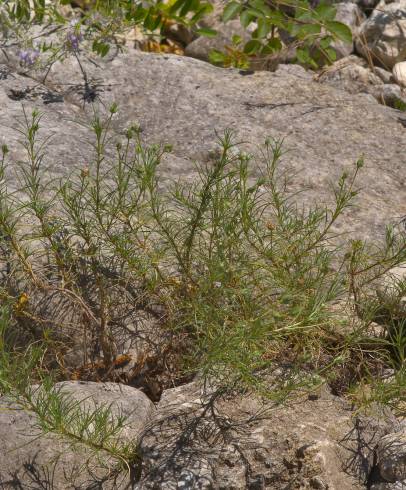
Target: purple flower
28, 57
73, 36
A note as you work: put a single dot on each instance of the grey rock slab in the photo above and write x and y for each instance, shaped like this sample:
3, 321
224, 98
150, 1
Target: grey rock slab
316, 441
31, 460
185, 102
62, 123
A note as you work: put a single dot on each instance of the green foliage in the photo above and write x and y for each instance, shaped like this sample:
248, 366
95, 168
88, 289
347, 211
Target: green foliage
310, 30
79, 423
240, 274
233, 56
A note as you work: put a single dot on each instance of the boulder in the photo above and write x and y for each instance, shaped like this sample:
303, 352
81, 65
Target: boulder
352, 16
382, 36
32, 460
391, 95
351, 74
391, 457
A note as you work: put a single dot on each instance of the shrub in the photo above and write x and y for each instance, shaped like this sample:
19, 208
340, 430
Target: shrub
311, 30
236, 276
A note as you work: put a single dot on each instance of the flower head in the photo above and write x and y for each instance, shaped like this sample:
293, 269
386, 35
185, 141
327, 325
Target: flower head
73, 36
28, 57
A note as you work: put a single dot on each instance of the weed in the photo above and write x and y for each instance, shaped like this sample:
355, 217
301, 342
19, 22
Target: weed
242, 284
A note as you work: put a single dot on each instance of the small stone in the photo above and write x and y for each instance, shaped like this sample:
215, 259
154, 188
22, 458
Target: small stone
385, 75
390, 95
399, 73
318, 483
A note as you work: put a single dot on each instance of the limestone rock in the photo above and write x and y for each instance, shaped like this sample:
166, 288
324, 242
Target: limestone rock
391, 457
389, 486
385, 75
383, 35
399, 73
351, 74
51, 461
184, 102
355, 76
352, 16
313, 443
390, 94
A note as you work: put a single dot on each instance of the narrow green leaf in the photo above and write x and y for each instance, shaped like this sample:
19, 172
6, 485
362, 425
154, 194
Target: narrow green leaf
264, 28
246, 18
231, 11
260, 5
325, 12
252, 46
340, 31
207, 32
236, 39
272, 46
216, 57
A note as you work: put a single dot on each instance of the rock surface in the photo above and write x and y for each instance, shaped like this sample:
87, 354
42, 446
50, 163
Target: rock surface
351, 15
30, 461
184, 102
240, 443
382, 35
391, 457
399, 73
353, 75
